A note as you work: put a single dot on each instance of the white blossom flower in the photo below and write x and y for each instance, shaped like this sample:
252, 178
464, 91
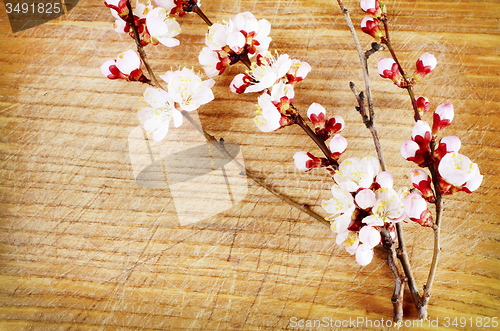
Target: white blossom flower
267, 73
387, 209
187, 89
209, 60
157, 117
416, 208
355, 173
162, 28
341, 203
127, 66
298, 71
168, 5
457, 170
269, 118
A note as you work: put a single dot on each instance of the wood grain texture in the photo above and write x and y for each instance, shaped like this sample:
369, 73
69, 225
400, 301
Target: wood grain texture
83, 247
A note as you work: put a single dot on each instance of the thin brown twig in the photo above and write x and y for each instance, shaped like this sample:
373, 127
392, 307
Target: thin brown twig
424, 300
399, 277
319, 142
408, 85
220, 146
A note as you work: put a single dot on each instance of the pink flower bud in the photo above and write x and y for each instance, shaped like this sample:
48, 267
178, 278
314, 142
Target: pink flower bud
416, 209
370, 26
371, 7
411, 152
388, 68
334, 124
316, 114
443, 115
305, 161
421, 134
110, 70
239, 84
447, 145
338, 145
423, 105
425, 64
422, 181
298, 71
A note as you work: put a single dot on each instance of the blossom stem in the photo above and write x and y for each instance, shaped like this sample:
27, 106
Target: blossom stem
400, 279
246, 61
200, 13
219, 144
369, 124
362, 58
422, 308
321, 144
140, 49
408, 85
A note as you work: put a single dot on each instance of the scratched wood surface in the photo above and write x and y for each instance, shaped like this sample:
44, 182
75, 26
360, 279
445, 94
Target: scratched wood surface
84, 247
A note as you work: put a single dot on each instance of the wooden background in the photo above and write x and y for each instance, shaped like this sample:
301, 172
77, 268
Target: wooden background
83, 247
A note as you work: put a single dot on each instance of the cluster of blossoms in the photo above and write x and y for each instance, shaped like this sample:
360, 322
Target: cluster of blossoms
153, 25
387, 67
186, 91
325, 128
242, 37
456, 172
364, 203
275, 78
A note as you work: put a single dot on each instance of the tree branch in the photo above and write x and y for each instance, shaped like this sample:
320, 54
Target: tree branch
219, 144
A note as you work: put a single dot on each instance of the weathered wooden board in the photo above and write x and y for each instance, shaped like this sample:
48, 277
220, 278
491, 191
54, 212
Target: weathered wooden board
84, 247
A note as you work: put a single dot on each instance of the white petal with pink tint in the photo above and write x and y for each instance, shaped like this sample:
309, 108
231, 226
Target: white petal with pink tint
409, 149
128, 61
364, 254
369, 236
365, 199
384, 179
452, 143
